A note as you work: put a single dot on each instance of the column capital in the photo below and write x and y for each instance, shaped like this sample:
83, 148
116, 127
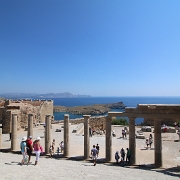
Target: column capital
48, 115
86, 116
30, 114
66, 115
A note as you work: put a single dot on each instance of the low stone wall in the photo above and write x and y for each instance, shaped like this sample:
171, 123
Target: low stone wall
96, 123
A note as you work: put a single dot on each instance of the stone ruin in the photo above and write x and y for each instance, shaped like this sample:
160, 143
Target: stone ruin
39, 108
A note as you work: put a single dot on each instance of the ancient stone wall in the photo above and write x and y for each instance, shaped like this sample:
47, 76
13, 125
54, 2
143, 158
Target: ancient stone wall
22, 108
46, 109
97, 123
7, 120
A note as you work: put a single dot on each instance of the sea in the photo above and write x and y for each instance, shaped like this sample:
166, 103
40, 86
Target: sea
128, 102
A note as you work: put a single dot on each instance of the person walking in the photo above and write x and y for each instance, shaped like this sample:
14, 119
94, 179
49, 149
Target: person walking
50, 152
97, 147
150, 140
53, 146
37, 149
29, 145
128, 156
23, 149
94, 154
123, 133
147, 143
62, 146
117, 157
122, 152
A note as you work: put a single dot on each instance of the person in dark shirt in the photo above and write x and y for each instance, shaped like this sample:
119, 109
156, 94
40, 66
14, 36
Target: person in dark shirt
97, 147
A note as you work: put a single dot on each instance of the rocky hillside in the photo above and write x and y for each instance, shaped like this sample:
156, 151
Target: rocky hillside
97, 109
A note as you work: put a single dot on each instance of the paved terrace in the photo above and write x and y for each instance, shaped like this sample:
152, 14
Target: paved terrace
74, 167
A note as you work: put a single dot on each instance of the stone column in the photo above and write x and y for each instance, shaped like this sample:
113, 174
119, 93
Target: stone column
157, 143
14, 133
0, 138
30, 125
108, 139
66, 135
86, 137
47, 133
132, 140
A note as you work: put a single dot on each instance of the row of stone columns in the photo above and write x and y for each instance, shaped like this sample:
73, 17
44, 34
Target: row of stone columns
132, 141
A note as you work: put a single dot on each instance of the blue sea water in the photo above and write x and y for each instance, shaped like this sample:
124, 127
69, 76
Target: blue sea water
128, 101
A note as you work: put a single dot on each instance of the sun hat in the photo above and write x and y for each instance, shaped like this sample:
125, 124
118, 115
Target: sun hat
38, 138
24, 139
30, 137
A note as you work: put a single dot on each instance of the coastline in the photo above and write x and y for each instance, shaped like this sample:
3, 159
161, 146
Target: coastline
96, 109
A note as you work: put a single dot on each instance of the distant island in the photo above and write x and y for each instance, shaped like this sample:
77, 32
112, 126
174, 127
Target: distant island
97, 109
40, 96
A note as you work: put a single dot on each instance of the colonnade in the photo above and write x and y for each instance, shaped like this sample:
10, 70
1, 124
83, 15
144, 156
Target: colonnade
108, 140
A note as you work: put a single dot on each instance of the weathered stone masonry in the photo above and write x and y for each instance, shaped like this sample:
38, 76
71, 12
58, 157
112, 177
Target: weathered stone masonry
38, 108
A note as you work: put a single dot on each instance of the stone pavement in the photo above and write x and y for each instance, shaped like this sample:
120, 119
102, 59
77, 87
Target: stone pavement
74, 168
71, 169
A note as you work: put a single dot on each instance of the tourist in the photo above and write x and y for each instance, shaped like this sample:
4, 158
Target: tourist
53, 146
113, 133
117, 157
50, 151
128, 156
97, 147
147, 143
178, 132
90, 132
94, 154
23, 149
37, 149
150, 140
123, 133
29, 145
122, 152
62, 146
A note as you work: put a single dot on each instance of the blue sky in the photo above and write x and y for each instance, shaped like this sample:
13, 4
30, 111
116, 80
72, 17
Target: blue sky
94, 47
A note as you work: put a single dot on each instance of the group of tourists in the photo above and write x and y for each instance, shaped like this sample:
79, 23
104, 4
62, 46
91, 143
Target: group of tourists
149, 141
122, 155
59, 149
27, 147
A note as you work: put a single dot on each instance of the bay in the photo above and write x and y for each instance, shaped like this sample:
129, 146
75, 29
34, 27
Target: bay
128, 102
